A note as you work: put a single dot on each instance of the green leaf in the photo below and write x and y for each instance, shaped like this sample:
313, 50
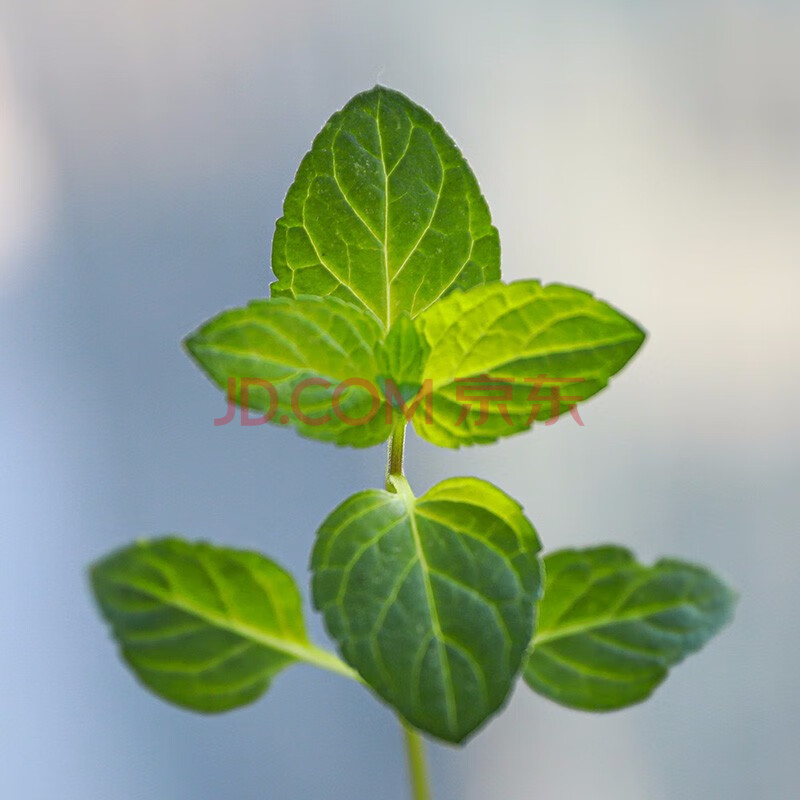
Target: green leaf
401, 361
505, 355
384, 213
309, 363
610, 628
431, 599
204, 627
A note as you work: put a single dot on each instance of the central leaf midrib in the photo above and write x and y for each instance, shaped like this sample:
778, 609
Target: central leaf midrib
385, 214
435, 622
300, 651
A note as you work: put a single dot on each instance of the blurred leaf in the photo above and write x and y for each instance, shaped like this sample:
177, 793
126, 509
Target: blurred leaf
384, 213
431, 600
609, 628
204, 627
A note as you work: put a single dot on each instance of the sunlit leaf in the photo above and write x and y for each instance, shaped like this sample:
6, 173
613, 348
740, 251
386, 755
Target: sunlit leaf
505, 355
309, 363
384, 213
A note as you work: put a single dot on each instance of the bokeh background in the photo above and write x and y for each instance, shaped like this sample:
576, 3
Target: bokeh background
648, 151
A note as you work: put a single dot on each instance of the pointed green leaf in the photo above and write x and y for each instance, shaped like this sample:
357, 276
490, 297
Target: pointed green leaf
431, 599
401, 360
204, 627
384, 213
309, 363
505, 355
610, 628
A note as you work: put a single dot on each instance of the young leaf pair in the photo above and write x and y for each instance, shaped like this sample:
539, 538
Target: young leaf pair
323, 365
388, 306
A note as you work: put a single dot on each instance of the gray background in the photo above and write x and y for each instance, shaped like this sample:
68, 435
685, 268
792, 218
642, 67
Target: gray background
650, 152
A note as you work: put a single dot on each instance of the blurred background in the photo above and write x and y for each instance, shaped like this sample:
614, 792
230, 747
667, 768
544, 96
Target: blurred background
647, 151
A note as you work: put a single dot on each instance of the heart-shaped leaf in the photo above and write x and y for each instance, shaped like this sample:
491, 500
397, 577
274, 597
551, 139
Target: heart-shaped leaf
309, 363
204, 627
505, 355
384, 213
431, 599
610, 628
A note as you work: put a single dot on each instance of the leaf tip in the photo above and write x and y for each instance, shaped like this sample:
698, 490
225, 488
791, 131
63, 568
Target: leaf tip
190, 345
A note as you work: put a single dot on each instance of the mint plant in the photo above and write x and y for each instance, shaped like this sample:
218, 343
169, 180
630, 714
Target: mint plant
388, 309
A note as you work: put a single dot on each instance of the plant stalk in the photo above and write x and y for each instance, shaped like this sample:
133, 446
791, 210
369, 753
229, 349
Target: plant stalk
394, 460
415, 746
417, 765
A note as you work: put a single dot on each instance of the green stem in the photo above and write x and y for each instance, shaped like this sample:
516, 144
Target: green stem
394, 461
415, 746
417, 766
